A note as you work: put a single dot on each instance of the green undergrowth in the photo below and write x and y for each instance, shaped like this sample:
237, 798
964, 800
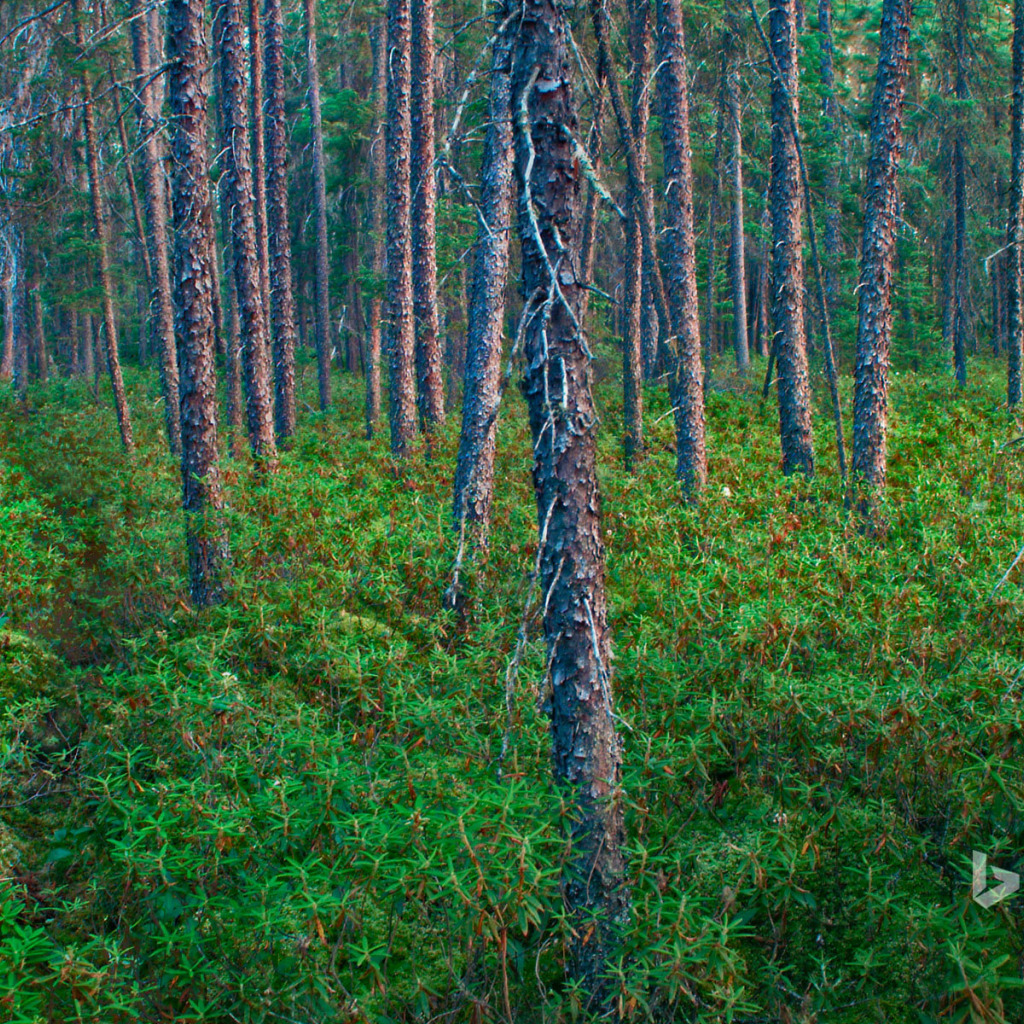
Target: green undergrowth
323, 801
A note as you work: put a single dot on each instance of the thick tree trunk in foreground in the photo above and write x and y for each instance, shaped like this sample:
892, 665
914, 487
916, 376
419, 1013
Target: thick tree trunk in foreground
557, 388
401, 329
787, 248
279, 235
474, 471
424, 198
155, 193
321, 284
874, 327
244, 247
194, 282
737, 234
1015, 298
687, 372
371, 367
99, 219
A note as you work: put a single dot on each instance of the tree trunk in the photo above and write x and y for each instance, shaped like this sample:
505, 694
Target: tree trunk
474, 471
155, 193
378, 39
1015, 297
38, 333
787, 247
257, 105
714, 209
874, 326
401, 331
244, 247
7, 283
687, 373
563, 422
424, 197
961, 325
737, 240
606, 73
321, 277
282, 296
589, 244
99, 218
829, 123
194, 243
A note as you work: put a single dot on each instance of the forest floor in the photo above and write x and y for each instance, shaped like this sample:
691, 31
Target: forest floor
329, 800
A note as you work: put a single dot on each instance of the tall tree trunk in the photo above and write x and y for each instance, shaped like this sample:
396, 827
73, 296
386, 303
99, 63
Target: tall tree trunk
155, 193
321, 282
194, 244
589, 244
378, 39
874, 326
687, 373
401, 330
831, 239
563, 422
99, 218
424, 198
279, 236
244, 247
257, 71
737, 240
606, 73
1015, 297
7, 284
714, 209
38, 332
961, 325
787, 247
474, 471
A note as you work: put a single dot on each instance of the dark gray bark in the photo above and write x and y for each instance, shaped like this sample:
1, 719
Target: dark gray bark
321, 281
155, 198
282, 295
474, 471
401, 328
423, 187
194, 286
687, 387
563, 422
787, 248
244, 246
874, 326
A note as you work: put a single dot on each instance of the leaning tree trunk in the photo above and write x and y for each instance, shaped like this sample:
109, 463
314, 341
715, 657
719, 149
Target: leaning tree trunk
874, 326
321, 278
155, 200
279, 236
737, 235
99, 218
687, 372
787, 248
371, 364
474, 471
194, 242
424, 199
244, 246
401, 330
1015, 298
563, 423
